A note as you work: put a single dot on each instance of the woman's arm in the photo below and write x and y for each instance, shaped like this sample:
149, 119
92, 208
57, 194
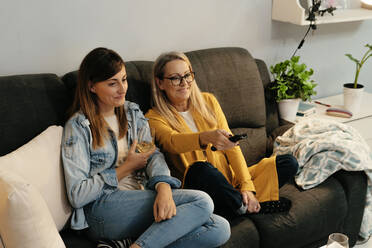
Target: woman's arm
234, 155
81, 187
134, 161
164, 206
171, 140
157, 169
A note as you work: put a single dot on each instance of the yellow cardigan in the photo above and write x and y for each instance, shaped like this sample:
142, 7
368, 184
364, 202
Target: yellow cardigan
182, 149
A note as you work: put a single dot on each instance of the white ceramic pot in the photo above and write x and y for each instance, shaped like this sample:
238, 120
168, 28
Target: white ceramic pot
353, 97
288, 109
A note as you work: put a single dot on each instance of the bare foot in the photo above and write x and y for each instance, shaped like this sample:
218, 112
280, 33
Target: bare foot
135, 246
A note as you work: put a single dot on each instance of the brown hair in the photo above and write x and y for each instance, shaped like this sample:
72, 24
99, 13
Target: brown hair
160, 101
98, 65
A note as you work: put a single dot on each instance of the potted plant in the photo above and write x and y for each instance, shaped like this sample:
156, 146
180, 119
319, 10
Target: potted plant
291, 84
353, 92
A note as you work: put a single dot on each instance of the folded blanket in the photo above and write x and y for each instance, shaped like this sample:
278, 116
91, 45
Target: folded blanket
323, 147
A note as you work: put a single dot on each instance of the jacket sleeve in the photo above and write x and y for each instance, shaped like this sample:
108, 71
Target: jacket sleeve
234, 155
171, 140
81, 187
156, 169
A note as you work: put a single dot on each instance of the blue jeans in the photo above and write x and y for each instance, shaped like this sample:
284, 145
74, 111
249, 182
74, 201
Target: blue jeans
129, 214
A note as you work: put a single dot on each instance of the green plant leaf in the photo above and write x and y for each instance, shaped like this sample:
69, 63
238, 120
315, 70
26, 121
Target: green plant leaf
360, 63
292, 80
352, 58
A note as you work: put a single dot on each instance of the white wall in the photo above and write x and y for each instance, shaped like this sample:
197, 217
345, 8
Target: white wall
54, 35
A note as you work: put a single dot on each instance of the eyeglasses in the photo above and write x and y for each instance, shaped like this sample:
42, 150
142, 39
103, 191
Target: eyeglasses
188, 77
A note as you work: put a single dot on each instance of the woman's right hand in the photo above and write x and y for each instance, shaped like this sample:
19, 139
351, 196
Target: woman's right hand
219, 138
134, 161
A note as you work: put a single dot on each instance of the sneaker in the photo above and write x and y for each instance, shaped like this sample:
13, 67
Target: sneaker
270, 207
106, 243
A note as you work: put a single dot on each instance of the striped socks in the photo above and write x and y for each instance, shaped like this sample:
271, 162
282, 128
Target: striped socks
106, 243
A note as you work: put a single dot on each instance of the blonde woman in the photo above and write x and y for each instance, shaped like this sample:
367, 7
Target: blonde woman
188, 123
111, 199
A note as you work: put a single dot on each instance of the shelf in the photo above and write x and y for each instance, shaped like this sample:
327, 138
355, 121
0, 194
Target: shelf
291, 11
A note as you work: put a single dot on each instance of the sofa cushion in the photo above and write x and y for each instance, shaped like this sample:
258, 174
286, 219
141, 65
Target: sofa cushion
76, 239
39, 163
231, 74
243, 234
139, 78
314, 213
24, 217
254, 146
28, 105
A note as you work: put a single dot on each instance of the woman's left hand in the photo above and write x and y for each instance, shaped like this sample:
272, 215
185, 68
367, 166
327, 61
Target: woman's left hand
250, 200
164, 206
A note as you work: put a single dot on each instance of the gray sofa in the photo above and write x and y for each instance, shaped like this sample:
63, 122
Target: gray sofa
31, 103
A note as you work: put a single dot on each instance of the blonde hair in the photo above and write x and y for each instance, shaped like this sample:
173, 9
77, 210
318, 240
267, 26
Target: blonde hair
161, 103
98, 65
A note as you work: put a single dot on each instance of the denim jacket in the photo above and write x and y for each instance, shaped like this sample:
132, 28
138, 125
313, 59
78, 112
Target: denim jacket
90, 173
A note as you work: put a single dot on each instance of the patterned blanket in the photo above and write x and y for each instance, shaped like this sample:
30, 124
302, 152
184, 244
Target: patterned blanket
323, 147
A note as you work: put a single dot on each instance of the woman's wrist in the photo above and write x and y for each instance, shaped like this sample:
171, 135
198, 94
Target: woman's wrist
203, 139
161, 186
202, 144
123, 171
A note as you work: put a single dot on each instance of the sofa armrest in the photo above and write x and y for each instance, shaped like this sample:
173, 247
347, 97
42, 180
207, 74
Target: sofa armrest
355, 186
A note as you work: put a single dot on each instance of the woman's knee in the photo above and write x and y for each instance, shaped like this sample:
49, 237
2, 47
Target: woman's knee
200, 168
195, 197
289, 162
222, 229
205, 201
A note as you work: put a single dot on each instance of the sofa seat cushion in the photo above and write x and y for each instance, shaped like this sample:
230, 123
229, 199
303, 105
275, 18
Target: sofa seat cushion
243, 234
314, 213
76, 239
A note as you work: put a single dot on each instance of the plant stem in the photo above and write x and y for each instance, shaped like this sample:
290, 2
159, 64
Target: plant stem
356, 75
359, 66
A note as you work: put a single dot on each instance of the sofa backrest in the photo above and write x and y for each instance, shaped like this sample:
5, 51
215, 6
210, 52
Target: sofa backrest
28, 105
138, 75
31, 103
231, 74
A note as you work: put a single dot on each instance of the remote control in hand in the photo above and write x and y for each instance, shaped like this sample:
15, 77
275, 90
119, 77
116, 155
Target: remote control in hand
234, 139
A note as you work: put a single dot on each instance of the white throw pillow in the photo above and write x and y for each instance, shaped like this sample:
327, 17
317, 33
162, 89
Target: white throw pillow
24, 217
39, 163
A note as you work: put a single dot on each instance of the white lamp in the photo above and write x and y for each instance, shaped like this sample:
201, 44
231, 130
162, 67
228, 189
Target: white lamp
367, 4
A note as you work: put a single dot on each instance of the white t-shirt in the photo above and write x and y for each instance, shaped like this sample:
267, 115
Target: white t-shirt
189, 120
133, 180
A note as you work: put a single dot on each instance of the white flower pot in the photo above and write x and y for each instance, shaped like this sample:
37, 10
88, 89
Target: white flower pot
353, 97
288, 109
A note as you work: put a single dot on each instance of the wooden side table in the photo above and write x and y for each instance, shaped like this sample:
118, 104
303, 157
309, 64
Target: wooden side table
361, 121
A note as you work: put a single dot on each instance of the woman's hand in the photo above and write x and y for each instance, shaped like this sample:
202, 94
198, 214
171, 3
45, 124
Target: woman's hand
164, 206
134, 161
250, 200
219, 139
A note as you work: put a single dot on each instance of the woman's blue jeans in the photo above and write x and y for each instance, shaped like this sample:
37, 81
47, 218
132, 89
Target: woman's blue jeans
129, 214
